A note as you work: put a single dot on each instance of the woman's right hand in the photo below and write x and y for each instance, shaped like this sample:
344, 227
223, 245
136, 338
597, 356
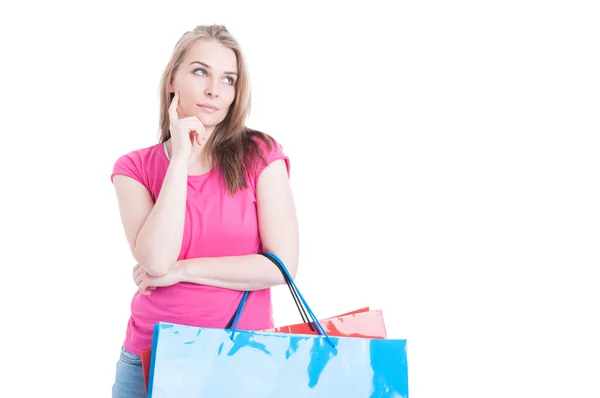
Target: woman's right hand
184, 132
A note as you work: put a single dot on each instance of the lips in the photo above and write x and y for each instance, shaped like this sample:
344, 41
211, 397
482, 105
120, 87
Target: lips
208, 106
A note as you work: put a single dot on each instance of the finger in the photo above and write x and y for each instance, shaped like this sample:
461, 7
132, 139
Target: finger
195, 129
191, 119
148, 291
173, 116
192, 122
139, 279
193, 136
200, 139
191, 128
137, 273
143, 285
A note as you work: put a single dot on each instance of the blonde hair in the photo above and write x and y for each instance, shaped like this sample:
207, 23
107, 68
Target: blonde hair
231, 146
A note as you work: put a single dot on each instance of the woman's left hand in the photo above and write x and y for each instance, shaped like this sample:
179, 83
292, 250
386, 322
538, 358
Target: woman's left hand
146, 283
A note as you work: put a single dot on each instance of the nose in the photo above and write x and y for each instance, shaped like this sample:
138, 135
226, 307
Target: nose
212, 88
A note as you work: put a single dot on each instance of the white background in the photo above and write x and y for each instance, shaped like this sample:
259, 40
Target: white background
445, 165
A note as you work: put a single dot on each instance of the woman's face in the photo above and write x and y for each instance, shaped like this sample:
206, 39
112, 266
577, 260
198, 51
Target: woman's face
206, 82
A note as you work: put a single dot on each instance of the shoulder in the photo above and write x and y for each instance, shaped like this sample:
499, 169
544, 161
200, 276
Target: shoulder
134, 162
261, 151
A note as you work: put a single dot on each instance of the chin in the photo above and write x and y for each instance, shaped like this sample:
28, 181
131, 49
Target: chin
209, 120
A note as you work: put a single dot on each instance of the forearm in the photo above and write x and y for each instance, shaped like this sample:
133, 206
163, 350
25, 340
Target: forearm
250, 272
158, 243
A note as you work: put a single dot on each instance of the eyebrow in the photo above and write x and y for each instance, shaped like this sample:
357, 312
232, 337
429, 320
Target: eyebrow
210, 67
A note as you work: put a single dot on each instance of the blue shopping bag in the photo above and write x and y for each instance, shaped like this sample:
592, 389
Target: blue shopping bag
192, 361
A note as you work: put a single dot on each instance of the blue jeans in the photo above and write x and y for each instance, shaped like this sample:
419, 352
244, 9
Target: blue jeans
129, 377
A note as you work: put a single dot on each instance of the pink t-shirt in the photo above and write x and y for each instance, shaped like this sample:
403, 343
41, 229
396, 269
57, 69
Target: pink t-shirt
216, 225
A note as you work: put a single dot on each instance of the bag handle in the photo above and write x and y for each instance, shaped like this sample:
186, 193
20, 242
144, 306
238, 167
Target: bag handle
238, 310
301, 310
296, 293
283, 269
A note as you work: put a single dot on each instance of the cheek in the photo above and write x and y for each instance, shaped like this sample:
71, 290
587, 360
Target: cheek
187, 100
228, 96
188, 88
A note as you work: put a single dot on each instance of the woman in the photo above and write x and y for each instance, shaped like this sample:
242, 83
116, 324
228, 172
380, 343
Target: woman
198, 207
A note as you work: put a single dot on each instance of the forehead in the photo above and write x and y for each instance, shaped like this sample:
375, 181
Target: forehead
212, 53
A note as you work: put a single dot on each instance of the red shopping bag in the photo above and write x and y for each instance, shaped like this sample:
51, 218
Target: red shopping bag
363, 323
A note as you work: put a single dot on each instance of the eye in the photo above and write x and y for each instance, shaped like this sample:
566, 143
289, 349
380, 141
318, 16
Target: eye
201, 72
230, 80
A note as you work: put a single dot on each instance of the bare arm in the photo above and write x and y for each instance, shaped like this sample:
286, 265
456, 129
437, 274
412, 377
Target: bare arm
278, 227
154, 230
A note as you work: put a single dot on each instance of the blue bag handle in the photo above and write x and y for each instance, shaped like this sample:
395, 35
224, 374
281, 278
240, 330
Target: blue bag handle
301, 309
293, 286
295, 292
238, 313
238, 309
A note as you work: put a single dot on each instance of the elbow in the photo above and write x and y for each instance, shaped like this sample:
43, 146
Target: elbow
152, 264
293, 270
155, 269
291, 265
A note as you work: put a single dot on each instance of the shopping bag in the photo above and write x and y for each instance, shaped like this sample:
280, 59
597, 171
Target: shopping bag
212, 362
359, 323
368, 324
362, 322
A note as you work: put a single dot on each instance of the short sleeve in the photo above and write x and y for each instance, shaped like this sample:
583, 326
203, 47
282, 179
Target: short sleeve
129, 165
272, 154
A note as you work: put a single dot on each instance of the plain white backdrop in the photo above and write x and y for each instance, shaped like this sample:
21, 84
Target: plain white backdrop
445, 165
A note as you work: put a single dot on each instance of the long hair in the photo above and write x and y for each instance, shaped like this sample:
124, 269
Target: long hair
232, 147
